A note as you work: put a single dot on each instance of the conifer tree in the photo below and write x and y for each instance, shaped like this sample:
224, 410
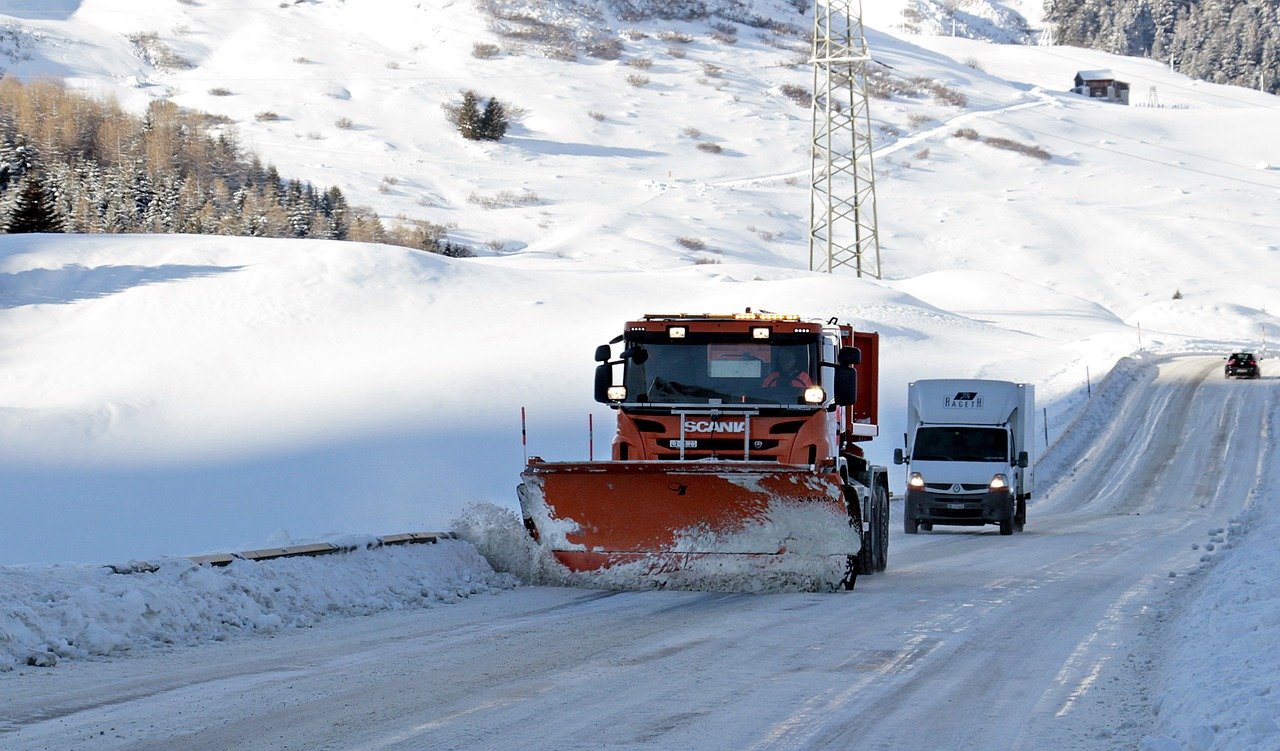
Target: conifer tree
493, 123
33, 209
468, 117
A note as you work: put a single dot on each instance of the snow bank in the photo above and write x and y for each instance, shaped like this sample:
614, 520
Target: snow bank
1219, 690
53, 612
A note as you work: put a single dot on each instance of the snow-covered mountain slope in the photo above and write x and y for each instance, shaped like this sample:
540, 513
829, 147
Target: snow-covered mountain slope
256, 388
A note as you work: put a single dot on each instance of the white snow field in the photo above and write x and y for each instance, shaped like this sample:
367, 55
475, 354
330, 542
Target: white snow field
170, 396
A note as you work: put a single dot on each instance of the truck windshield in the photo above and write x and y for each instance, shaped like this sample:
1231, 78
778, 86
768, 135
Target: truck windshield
961, 444
726, 372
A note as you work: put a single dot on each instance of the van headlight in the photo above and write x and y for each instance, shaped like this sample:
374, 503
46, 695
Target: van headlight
999, 482
916, 481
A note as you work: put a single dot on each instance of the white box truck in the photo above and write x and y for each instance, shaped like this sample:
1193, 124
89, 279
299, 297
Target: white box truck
968, 453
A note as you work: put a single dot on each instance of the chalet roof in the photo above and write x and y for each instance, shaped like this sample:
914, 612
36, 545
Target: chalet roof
1096, 75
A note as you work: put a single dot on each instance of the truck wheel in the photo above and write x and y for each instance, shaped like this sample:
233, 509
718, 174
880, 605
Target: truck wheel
1006, 526
926, 526
882, 510
1020, 518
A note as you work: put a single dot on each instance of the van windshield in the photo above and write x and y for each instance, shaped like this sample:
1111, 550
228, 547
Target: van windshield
961, 444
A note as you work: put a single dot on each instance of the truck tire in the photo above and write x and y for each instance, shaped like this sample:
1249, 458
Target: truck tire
909, 522
926, 526
882, 511
874, 555
1020, 516
1006, 526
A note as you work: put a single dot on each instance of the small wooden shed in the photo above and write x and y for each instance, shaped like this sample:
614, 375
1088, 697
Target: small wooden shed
1101, 84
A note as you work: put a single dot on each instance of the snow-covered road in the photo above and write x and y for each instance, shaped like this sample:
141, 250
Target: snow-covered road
971, 640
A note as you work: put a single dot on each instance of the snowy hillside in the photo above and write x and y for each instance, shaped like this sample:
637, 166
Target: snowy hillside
164, 396
208, 392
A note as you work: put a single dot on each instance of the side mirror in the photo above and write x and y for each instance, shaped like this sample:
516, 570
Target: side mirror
604, 379
846, 386
898, 458
1024, 460
849, 356
602, 353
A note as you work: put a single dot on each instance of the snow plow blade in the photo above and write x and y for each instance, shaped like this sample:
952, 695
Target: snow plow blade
694, 525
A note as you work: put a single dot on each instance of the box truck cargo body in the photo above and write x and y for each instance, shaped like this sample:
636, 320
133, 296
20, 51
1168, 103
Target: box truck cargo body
968, 453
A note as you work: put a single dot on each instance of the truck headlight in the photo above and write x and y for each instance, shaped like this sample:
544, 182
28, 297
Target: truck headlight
616, 393
999, 482
814, 395
916, 481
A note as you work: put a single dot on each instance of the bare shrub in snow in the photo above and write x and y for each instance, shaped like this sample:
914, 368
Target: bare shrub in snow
393, 65
889, 129
676, 52
798, 94
597, 116
706, 261
641, 63
565, 53
974, 63
679, 37
692, 132
691, 243
344, 123
918, 120
1009, 144
484, 50
922, 154
220, 91
314, 136
968, 133
266, 116
505, 199
712, 71
710, 148
387, 182
638, 81
147, 45
301, 60
724, 33
608, 48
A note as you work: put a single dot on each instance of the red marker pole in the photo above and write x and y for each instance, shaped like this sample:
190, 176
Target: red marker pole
591, 438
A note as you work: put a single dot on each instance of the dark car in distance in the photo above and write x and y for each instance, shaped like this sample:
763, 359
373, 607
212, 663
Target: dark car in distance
1242, 365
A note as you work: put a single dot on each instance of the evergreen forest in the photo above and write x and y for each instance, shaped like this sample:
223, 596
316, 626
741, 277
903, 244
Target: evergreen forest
73, 163
1224, 41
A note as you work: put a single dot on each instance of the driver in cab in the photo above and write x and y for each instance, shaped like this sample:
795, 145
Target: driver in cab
789, 370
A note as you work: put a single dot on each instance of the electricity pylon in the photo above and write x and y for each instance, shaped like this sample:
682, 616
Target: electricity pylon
842, 197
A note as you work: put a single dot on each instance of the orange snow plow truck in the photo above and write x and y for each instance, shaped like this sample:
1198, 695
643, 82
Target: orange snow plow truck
736, 459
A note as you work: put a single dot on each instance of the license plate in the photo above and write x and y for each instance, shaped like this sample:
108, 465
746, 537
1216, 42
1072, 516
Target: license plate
955, 505
679, 444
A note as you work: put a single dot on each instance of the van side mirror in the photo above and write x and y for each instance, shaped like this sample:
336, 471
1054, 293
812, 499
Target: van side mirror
898, 458
1024, 460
